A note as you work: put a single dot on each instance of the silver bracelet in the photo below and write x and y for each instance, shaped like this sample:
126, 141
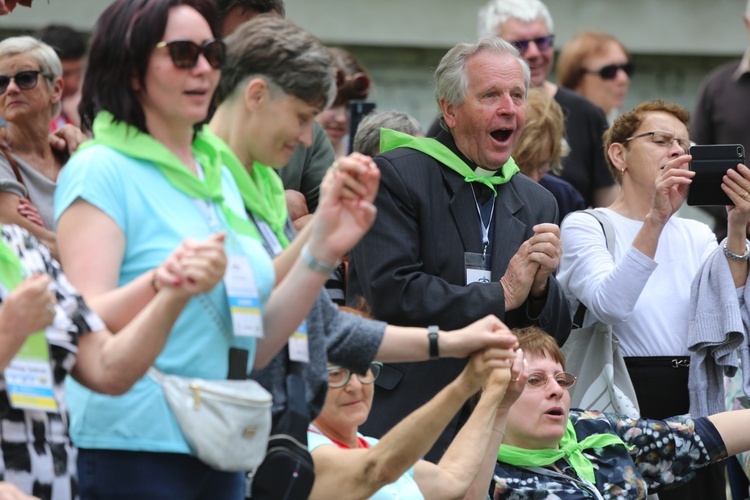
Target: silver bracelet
734, 256
314, 264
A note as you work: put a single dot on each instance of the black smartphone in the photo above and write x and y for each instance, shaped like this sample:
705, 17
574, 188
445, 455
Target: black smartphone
357, 111
710, 163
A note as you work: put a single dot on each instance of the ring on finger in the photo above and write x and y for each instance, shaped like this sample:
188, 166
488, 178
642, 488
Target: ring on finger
514, 380
50, 307
335, 166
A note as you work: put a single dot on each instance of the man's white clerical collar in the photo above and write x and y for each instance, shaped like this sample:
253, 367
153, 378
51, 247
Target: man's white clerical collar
483, 172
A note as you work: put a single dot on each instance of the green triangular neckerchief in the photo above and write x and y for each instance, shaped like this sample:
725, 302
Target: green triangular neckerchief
390, 139
262, 190
569, 448
132, 142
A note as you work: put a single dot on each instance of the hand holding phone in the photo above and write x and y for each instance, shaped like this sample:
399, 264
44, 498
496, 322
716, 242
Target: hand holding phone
710, 163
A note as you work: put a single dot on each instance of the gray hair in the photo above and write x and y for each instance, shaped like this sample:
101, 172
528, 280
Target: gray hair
450, 76
44, 55
496, 12
367, 138
281, 53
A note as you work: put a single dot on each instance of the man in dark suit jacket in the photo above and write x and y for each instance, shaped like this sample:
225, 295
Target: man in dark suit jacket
411, 268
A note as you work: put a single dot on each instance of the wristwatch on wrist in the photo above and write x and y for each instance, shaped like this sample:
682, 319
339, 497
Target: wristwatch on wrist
432, 335
734, 256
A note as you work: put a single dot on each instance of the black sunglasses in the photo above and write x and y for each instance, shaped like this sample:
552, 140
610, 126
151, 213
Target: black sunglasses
542, 43
25, 80
609, 72
185, 53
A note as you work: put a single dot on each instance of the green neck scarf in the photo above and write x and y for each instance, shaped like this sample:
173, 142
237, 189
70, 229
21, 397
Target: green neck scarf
262, 189
11, 270
134, 143
390, 139
569, 448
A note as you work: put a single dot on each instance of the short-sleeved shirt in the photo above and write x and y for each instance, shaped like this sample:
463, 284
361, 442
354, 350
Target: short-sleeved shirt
37, 455
155, 218
404, 488
41, 190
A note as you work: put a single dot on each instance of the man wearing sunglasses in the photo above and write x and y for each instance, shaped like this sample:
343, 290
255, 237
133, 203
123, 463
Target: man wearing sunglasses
527, 24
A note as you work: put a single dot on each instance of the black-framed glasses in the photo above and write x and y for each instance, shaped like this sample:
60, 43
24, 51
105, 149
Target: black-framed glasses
542, 43
185, 53
609, 72
663, 139
25, 80
338, 376
537, 380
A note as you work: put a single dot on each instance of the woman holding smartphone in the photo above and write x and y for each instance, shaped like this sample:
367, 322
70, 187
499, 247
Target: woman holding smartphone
645, 291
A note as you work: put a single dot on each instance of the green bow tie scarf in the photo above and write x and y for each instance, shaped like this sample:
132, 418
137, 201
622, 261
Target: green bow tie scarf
135, 144
390, 139
569, 448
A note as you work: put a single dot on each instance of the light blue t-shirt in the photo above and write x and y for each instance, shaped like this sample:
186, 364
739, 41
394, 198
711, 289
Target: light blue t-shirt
404, 488
155, 218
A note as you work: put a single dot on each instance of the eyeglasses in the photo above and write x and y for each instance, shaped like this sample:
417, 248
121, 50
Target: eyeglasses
339, 376
609, 72
537, 380
542, 43
25, 80
185, 53
664, 139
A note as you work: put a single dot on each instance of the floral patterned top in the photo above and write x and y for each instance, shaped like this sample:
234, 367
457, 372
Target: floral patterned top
664, 454
36, 452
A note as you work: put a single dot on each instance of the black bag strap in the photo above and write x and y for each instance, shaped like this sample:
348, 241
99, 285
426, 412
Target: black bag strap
295, 419
609, 240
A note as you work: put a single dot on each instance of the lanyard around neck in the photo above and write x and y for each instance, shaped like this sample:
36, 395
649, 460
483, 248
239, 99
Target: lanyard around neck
485, 228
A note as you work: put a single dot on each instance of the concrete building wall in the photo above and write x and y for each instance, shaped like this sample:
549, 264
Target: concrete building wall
674, 42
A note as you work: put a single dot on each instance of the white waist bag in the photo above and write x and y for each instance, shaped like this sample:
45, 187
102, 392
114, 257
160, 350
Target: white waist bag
226, 422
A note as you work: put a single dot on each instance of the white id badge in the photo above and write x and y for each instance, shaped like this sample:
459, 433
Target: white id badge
298, 347
244, 302
477, 268
29, 385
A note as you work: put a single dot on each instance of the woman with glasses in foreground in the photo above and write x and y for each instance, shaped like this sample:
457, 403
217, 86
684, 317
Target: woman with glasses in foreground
551, 451
645, 291
349, 465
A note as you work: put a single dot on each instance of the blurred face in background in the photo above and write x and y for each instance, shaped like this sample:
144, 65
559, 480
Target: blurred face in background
540, 55
606, 80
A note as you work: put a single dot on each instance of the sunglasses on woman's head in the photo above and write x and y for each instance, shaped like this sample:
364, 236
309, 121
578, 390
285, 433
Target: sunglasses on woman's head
25, 80
609, 72
185, 53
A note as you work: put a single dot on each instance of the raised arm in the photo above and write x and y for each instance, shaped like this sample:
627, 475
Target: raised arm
736, 185
360, 473
464, 471
340, 222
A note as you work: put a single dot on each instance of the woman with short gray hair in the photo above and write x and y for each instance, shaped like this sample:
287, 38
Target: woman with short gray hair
30, 97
